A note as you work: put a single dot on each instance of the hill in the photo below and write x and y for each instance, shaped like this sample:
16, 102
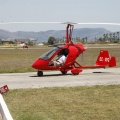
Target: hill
90, 33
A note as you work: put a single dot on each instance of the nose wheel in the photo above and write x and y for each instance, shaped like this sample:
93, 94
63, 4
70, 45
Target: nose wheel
40, 73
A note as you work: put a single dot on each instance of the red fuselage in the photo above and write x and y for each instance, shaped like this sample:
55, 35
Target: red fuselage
42, 63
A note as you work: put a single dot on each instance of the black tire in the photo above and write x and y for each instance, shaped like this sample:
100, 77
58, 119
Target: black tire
64, 72
40, 73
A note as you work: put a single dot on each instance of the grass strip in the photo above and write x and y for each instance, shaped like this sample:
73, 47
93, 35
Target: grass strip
71, 103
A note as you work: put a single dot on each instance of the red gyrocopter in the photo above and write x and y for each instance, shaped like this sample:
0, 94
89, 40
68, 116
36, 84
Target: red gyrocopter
72, 51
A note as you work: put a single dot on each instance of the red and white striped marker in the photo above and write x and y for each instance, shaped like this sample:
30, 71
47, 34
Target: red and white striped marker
4, 89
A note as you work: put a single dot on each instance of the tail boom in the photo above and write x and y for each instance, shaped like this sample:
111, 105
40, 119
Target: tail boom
103, 60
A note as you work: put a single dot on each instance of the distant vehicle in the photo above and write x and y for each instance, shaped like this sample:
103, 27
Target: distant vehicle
25, 46
71, 51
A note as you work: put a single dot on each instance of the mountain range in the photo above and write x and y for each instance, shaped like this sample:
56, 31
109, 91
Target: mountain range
43, 36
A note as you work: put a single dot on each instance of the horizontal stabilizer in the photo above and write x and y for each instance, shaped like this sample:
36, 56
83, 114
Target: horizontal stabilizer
112, 62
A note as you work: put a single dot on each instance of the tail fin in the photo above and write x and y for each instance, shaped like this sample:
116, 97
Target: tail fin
104, 59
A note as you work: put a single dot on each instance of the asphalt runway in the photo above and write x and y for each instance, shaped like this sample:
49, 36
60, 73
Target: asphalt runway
89, 77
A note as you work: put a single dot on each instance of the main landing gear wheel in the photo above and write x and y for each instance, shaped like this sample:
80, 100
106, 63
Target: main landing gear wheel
64, 72
40, 73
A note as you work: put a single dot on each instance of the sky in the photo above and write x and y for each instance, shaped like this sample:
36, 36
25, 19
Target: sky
79, 11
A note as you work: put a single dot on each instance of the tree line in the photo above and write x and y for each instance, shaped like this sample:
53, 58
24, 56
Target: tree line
111, 38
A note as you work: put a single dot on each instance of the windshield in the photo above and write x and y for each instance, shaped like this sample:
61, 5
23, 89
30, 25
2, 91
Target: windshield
49, 54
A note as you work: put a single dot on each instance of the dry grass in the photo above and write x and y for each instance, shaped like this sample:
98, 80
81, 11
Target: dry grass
20, 60
91, 54
72, 103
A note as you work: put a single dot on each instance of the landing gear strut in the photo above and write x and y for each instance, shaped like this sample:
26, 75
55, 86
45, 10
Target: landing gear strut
40, 73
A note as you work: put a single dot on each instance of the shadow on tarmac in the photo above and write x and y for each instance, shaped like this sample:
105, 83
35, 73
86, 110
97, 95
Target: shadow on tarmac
51, 75
55, 75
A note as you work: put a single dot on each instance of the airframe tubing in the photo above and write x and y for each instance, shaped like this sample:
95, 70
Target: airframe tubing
4, 110
86, 67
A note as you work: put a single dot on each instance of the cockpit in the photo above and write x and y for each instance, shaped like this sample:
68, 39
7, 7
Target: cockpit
49, 54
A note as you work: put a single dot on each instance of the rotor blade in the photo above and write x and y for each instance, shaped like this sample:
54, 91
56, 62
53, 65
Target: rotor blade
30, 22
69, 23
37, 23
59, 23
99, 23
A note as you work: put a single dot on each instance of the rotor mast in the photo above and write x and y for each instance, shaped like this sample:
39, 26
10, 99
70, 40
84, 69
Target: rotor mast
69, 30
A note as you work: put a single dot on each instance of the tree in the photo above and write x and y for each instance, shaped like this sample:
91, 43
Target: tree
86, 39
101, 39
118, 36
110, 37
51, 40
30, 43
114, 37
83, 40
104, 37
0, 41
